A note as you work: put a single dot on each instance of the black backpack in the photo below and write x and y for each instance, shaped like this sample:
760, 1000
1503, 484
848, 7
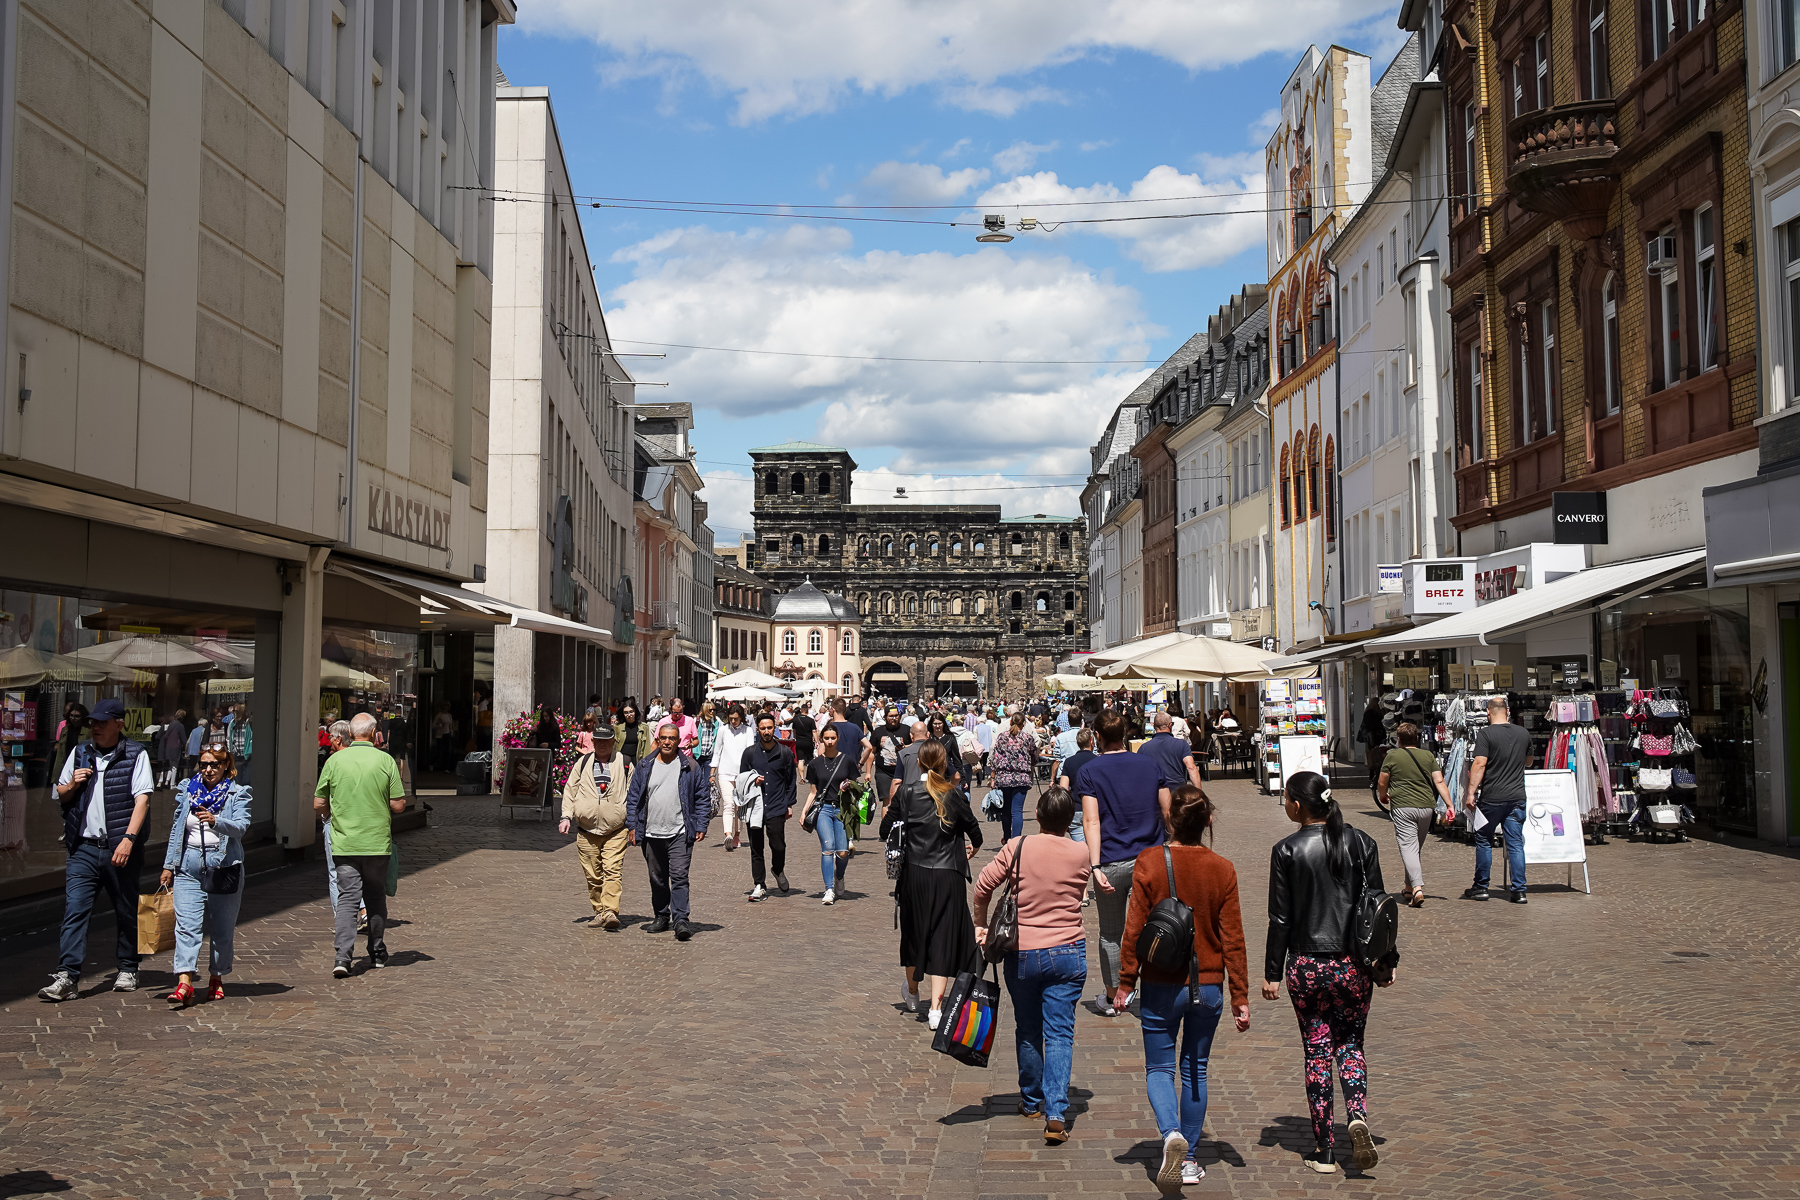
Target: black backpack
1376, 922
1166, 941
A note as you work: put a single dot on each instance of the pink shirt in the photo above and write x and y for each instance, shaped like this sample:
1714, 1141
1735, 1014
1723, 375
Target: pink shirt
1051, 882
686, 731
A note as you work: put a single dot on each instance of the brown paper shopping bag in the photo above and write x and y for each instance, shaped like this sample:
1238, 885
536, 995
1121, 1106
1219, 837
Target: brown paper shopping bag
156, 922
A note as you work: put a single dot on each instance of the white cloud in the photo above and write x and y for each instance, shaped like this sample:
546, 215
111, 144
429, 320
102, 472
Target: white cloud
1015, 495
788, 57
1018, 158
729, 496
1233, 196
921, 183
1088, 147
810, 290
955, 150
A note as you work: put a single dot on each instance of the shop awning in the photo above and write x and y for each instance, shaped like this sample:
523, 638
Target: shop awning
706, 666
543, 622
1338, 646
433, 597
1569, 596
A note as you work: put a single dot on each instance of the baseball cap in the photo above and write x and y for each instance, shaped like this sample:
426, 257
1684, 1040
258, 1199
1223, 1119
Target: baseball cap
603, 732
107, 710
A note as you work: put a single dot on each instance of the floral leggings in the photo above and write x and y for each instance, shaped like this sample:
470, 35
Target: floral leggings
1331, 999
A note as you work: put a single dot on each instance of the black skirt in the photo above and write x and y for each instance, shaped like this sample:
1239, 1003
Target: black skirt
937, 935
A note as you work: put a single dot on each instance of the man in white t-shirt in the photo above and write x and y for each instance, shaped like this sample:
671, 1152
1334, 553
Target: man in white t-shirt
105, 791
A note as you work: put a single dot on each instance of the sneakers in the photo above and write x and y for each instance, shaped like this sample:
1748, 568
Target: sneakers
1321, 1161
782, 883
1174, 1150
830, 897
683, 931
660, 925
378, 957
125, 981
1191, 1172
909, 999
934, 1018
341, 970
1104, 1006
1362, 1144
362, 921
62, 986
757, 893
1475, 893
608, 921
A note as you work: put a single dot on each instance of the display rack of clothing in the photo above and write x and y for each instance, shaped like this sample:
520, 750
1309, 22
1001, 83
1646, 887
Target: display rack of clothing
1576, 744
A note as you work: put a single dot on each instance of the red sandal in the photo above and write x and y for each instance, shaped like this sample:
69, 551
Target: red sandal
215, 988
182, 995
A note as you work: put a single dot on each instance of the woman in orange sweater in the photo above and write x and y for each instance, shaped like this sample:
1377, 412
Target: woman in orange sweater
1206, 883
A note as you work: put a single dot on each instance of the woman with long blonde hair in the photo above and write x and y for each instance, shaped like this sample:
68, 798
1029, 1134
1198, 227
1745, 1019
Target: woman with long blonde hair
941, 835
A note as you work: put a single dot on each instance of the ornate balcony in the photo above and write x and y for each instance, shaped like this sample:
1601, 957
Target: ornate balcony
1562, 163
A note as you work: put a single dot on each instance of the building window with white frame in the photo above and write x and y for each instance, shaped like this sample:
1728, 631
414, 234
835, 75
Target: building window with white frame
1706, 277
1787, 26
788, 641
1599, 56
815, 642
1790, 273
1547, 342
1669, 293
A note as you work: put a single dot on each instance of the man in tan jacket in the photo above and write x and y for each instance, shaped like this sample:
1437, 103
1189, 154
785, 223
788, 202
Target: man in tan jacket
594, 798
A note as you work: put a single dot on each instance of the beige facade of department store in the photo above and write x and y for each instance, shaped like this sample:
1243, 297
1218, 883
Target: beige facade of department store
247, 341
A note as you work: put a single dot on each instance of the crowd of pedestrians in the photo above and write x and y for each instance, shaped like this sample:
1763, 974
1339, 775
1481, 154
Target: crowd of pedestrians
1123, 827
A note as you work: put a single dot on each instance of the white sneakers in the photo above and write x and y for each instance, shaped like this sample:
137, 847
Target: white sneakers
1174, 1150
1362, 1144
830, 897
909, 999
934, 1018
1191, 1172
757, 893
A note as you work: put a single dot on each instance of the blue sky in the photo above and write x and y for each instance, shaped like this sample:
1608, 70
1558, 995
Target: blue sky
1056, 106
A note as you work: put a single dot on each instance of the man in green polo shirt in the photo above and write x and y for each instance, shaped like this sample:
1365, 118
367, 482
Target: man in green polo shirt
358, 787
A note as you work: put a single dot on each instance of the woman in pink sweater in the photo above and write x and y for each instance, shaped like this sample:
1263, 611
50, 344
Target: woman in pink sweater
1045, 975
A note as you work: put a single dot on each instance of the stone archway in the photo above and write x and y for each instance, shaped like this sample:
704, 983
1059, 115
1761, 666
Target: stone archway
886, 677
954, 677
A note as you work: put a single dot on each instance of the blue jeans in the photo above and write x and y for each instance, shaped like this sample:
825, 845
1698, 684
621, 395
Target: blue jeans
1165, 1009
1044, 985
1012, 817
1510, 820
197, 913
833, 842
91, 870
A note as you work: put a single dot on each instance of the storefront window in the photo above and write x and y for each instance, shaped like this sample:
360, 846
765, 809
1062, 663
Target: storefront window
1697, 640
186, 679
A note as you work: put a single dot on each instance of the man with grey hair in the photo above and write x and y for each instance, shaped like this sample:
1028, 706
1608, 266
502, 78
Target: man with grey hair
337, 737
357, 789
1497, 788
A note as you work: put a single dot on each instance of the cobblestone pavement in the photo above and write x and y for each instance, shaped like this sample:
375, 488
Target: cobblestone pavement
1636, 1043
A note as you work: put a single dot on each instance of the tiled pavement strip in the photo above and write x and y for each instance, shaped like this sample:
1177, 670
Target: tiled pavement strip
1578, 1046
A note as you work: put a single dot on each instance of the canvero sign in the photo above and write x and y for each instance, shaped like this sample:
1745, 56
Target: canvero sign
410, 520
1580, 518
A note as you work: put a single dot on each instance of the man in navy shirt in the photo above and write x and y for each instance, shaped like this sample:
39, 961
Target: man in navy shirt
1174, 757
1125, 809
850, 736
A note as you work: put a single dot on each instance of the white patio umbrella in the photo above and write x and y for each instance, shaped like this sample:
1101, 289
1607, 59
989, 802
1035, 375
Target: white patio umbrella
748, 693
21, 666
158, 654
1198, 659
817, 685
748, 677
1075, 683
1104, 658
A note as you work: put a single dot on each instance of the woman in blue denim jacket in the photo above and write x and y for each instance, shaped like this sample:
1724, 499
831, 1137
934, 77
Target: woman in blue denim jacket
212, 811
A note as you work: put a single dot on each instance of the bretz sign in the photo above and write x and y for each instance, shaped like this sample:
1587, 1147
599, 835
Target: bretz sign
409, 520
1580, 518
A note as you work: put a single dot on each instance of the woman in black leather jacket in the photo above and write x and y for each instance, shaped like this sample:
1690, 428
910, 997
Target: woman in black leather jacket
937, 935
1314, 877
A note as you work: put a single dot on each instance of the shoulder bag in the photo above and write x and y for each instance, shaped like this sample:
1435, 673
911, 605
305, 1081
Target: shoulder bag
214, 881
1377, 919
1166, 941
821, 797
1003, 925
